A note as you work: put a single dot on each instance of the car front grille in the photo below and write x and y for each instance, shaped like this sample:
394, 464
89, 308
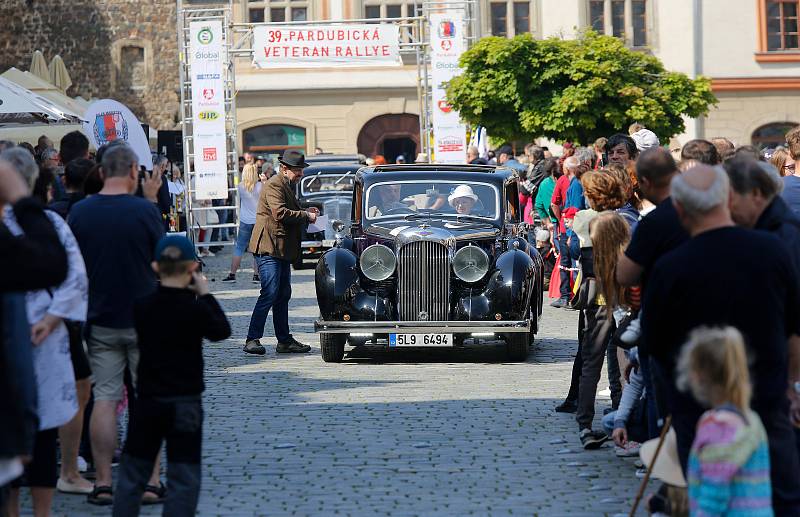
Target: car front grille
423, 270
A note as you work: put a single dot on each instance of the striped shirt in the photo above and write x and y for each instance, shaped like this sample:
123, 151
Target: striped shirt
728, 469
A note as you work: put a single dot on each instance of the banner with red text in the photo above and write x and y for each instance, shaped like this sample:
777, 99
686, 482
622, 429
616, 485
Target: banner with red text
310, 46
208, 109
447, 45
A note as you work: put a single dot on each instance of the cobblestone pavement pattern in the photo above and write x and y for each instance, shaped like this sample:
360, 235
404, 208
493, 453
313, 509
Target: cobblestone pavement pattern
390, 434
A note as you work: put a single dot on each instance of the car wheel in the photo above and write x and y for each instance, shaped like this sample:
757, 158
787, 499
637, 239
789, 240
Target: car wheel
332, 346
517, 346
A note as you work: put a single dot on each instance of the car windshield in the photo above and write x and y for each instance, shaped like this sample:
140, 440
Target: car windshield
442, 198
317, 183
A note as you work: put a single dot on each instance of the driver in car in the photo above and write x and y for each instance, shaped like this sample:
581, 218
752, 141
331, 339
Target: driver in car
388, 200
463, 199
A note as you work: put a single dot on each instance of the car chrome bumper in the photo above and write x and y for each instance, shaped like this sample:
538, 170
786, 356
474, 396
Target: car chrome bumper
325, 243
420, 327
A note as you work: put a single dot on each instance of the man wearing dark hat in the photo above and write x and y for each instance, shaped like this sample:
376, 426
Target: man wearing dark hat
276, 244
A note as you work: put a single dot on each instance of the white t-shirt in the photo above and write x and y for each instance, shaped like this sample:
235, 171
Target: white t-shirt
248, 203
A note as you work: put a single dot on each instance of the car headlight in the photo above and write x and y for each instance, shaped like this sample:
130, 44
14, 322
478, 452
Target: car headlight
377, 262
470, 263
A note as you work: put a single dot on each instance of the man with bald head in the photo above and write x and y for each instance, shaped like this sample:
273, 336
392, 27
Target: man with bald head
727, 275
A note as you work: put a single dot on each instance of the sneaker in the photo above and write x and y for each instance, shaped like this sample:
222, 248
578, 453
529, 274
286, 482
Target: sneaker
292, 347
256, 280
568, 406
253, 346
230, 278
560, 303
631, 334
641, 473
592, 439
630, 450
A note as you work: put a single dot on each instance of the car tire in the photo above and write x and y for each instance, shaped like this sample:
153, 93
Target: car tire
332, 346
517, 346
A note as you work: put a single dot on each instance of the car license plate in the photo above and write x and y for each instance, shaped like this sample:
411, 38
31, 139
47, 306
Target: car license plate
398, 340
328, 243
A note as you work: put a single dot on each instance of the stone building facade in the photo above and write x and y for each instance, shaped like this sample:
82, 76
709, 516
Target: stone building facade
120, 49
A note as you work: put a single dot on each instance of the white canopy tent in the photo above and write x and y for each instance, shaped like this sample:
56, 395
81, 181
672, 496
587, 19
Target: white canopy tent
47, 90
26, 115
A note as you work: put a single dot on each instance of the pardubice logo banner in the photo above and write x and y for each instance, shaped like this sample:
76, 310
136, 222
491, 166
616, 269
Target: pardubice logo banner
309, 46
447, 45
208, 109
108, 120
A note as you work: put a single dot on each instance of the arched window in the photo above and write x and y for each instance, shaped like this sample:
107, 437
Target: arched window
771, 135
274, 139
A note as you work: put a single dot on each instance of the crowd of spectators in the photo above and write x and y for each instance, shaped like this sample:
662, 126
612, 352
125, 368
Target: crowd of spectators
69, 352
684, 269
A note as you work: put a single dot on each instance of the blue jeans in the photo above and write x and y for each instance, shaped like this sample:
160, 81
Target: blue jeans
276, 290
608, 423
243, 238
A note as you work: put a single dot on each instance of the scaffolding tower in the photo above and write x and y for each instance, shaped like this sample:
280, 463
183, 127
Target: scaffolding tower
227, 209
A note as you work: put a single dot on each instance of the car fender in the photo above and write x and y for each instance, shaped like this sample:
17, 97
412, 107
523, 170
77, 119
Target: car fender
336, 280
511, 284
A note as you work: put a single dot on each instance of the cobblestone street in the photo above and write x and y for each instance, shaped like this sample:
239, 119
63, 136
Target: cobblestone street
397, 434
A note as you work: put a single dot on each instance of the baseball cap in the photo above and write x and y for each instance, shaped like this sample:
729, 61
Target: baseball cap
506, 149
168, 243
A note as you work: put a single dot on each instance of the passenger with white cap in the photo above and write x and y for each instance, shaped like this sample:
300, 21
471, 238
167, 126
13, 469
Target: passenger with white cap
463, 199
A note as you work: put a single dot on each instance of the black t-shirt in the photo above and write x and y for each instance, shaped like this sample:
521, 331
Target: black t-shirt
657, 233
728, 276
170, 327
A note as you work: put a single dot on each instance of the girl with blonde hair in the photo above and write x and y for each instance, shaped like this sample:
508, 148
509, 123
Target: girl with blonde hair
728, 471
249, 191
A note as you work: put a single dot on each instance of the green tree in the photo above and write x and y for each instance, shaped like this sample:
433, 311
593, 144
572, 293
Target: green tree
575, 90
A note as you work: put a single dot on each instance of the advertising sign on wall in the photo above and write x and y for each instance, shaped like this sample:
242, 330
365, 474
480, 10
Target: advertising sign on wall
447, 45
208, 109
108, 120
308, 46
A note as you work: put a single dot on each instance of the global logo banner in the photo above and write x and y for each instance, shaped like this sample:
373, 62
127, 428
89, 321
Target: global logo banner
447, 45
206, 61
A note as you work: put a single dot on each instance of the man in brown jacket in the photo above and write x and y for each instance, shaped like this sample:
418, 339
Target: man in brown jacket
276, 244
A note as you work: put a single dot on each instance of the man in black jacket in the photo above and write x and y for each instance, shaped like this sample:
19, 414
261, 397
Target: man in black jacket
35, 260
756, 203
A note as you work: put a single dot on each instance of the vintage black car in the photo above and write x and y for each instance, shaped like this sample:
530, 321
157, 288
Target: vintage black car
432, 256
329, 187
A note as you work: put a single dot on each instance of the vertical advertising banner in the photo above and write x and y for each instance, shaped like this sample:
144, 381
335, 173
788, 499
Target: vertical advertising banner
206, 59
447, 45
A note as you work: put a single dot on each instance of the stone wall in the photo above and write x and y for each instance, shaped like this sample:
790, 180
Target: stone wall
120, 49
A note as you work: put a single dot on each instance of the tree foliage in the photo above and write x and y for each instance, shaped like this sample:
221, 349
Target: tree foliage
575, 90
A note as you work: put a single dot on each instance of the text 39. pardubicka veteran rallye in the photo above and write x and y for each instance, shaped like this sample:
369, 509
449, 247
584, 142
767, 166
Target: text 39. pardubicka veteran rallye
352, 45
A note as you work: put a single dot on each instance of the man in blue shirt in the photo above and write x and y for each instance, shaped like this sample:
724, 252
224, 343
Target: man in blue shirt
505, 157
117, 233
